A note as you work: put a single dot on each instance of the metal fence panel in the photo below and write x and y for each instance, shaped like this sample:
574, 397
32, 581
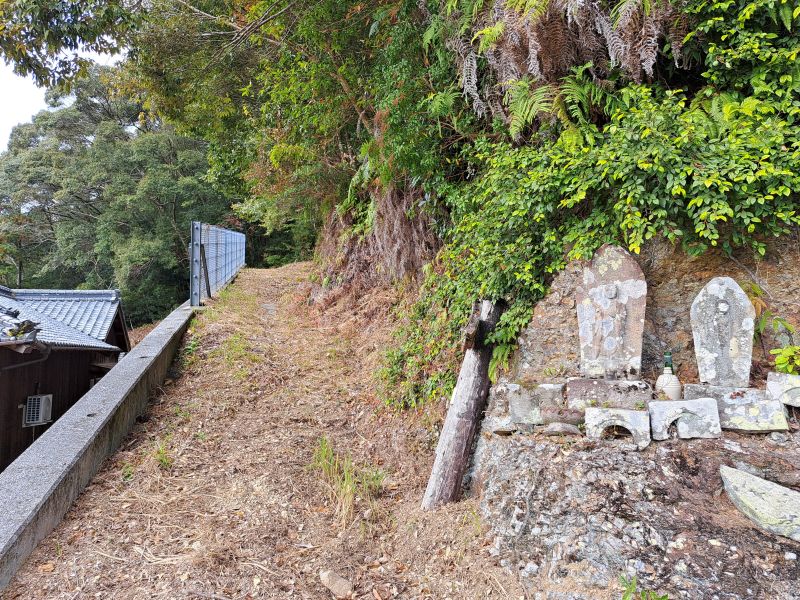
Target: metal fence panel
215, 257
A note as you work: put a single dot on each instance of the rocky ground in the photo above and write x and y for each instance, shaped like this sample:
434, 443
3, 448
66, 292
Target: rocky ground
573, 515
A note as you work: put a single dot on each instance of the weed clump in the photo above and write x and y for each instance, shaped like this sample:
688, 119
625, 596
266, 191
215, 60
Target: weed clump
347, 483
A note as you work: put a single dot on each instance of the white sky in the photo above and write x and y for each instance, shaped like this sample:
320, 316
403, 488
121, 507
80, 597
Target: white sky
20, 99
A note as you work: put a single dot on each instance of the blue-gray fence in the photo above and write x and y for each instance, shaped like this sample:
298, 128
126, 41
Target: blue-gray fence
215, 257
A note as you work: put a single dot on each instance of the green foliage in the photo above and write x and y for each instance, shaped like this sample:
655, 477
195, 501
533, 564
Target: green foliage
787, 360
43, 38
162, 455
717, 168
93, 195
632, 591
765, 318
525, 104
489, 36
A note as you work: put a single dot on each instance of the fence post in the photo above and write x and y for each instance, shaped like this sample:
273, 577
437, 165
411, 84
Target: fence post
195, 268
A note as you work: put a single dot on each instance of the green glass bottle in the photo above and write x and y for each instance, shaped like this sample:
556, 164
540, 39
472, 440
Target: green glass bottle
668, 361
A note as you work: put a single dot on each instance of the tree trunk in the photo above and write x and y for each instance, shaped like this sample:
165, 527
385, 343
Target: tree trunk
463, 416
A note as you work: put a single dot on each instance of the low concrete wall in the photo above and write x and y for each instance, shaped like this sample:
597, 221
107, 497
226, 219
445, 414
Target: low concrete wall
38, 488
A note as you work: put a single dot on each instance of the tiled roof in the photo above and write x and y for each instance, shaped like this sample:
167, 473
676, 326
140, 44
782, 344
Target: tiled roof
89, 311
49, 330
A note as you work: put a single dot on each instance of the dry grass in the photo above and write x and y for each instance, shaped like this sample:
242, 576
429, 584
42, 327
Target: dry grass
213, 495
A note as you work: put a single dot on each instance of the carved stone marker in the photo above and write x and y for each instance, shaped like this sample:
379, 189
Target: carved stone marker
722, 325
611, 302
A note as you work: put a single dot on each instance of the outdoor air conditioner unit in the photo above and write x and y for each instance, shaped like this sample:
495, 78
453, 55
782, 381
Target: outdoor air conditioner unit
38, 410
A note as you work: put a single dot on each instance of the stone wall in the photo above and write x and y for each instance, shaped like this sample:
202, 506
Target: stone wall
549, 347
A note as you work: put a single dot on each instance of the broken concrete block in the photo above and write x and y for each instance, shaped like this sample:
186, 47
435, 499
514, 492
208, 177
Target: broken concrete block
784, 388
772, 507
572, 416
637, 422
608, 393
610, 303
695, 418
723, 319
523, 405
499, 425
555, 429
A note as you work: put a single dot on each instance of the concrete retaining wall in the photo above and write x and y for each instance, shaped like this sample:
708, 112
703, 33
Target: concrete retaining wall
38, 488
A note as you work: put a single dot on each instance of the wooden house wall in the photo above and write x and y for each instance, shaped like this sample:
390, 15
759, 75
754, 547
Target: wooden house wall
66, 374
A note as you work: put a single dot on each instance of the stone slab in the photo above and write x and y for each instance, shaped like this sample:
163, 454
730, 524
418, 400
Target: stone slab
723, 320
692, 391
772, 507
549, 395
637, 422
558, 429
563, 414
523, 406
610, 304
742, 409
784, 388
608, 393
38, 488
695, 418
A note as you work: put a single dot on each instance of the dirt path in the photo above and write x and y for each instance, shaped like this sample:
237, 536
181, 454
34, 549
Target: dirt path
213, 496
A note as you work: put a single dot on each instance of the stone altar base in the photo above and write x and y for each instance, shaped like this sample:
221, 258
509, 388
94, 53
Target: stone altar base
608, 393
747, 410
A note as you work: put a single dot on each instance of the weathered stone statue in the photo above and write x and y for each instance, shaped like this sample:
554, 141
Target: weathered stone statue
611, 303
723, 319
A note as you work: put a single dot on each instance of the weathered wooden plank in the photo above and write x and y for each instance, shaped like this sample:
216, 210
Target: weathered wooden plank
461, 422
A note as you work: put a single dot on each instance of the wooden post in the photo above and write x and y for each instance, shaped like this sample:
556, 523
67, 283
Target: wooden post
463, 416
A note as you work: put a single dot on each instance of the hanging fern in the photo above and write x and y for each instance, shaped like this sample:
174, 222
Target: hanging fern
524, 104
545, 40
582, 95
489, 36
532, 9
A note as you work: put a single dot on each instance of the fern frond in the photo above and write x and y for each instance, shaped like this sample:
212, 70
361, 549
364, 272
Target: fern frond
524, 104
625, 9
440, 104
432, 33
489, 36
532, 9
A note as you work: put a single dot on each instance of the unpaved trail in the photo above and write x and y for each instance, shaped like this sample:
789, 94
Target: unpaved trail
212, 495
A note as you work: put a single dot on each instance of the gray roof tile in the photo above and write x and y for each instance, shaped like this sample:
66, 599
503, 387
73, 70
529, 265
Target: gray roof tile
89, 311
